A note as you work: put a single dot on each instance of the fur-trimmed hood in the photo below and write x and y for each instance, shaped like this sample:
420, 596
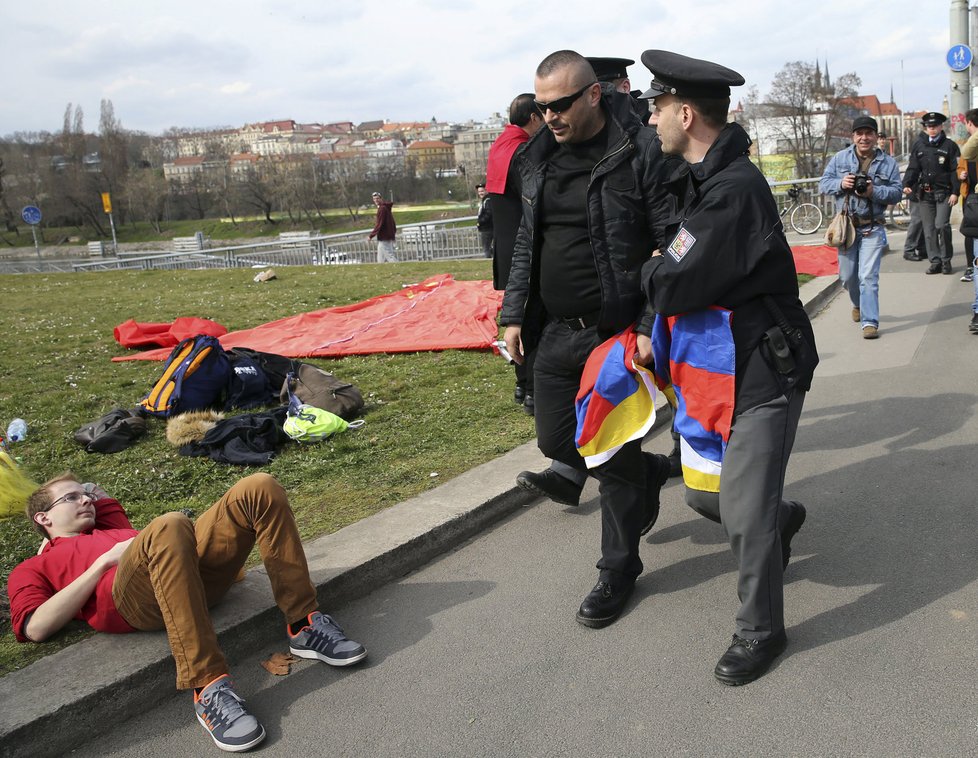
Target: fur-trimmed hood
191, 426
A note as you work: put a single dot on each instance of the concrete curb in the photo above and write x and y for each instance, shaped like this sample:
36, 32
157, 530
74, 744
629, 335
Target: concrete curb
119, 674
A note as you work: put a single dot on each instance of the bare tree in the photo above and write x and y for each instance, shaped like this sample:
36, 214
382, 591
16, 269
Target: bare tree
146, 192
72, 179
808, 115
113, 150
348, 181
255, 190
9, 219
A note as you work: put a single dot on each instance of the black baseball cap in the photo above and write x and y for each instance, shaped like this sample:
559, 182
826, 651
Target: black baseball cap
865, 122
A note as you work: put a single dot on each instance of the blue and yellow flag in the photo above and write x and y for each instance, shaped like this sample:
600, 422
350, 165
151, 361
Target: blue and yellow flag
616, 401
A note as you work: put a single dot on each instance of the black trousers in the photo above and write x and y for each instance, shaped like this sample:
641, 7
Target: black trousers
559, 364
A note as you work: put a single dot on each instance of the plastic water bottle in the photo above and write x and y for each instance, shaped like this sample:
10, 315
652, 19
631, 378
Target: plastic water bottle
17, 430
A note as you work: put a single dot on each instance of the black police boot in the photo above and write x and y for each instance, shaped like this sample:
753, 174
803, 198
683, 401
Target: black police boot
605, 603
935, 268
746, 660
519, 394
550, 484
946, 267
528, 405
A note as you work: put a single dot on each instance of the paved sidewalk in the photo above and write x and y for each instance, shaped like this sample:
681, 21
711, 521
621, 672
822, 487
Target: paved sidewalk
128, 675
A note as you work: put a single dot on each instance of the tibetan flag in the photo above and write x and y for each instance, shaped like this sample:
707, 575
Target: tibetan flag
702, 364
616, 402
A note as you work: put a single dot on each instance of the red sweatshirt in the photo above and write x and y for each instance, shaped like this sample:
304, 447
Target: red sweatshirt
63, 560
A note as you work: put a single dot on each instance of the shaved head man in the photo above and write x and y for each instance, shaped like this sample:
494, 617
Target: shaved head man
592, 167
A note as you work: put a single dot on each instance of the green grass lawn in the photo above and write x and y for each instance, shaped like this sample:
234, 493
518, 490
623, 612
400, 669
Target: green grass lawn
426, 413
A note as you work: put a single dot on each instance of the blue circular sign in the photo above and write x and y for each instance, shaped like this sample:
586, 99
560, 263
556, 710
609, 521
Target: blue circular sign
31, 214
959, 57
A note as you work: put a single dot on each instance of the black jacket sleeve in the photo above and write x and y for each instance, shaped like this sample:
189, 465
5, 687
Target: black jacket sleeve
717, 248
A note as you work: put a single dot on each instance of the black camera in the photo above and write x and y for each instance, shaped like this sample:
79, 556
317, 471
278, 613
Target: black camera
860, 183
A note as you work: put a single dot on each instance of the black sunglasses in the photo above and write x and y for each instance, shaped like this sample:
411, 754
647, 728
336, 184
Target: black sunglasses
564, 103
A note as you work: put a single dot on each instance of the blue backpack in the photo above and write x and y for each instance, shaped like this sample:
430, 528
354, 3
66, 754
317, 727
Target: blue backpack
195, 376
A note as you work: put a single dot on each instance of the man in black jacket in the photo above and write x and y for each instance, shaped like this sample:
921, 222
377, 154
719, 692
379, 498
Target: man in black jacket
932, 176
725, 292
590, 205
484, 220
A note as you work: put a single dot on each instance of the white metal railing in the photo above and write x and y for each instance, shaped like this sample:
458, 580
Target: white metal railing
428, 241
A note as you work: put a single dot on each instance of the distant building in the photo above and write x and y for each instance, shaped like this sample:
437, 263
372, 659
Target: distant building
441, 131
431, 156
370, 129
242, 163
408, 131
339, 127
184, 169
188, 169
472, 149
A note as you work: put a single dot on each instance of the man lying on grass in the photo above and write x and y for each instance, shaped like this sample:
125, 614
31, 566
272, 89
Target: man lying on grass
95, 567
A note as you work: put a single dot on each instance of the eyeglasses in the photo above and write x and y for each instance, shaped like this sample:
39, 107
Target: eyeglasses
71, 497
564, 103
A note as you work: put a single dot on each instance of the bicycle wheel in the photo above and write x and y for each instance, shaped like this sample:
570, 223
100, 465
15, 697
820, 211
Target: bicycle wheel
806, 218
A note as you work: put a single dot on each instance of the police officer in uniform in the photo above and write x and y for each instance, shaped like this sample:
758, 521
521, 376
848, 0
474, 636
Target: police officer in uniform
614, 72
726, 270
932, 176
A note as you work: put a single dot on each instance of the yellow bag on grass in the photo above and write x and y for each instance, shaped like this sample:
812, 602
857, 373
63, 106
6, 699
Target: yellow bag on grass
15, 488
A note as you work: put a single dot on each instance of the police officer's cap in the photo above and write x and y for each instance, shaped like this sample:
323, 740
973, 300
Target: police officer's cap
933, 119
675, 74
610, 69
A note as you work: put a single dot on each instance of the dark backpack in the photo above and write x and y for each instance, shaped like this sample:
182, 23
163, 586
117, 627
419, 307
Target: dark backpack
250, 386
195, 376
321, 389
276, 367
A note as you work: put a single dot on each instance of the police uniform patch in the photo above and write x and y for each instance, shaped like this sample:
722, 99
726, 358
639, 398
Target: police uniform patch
681, 245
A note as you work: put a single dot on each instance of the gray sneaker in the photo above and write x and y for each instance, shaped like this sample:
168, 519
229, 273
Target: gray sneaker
323, 640
220, 712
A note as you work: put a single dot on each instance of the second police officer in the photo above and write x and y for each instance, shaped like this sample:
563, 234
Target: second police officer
932, 177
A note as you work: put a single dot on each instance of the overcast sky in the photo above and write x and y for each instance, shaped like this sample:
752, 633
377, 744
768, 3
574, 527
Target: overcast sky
219, 63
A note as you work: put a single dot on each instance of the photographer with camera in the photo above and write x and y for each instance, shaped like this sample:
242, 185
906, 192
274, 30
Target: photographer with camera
932, 178
865, 179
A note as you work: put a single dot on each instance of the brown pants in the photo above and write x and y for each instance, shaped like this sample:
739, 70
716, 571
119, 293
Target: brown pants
174, 570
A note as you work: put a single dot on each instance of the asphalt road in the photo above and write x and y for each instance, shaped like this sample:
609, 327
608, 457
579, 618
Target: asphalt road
478, 653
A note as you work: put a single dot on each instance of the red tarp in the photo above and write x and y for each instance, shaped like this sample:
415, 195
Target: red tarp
437, 314
817, 260
145, 334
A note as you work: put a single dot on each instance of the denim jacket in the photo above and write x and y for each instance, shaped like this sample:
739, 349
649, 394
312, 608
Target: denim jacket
887, 188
